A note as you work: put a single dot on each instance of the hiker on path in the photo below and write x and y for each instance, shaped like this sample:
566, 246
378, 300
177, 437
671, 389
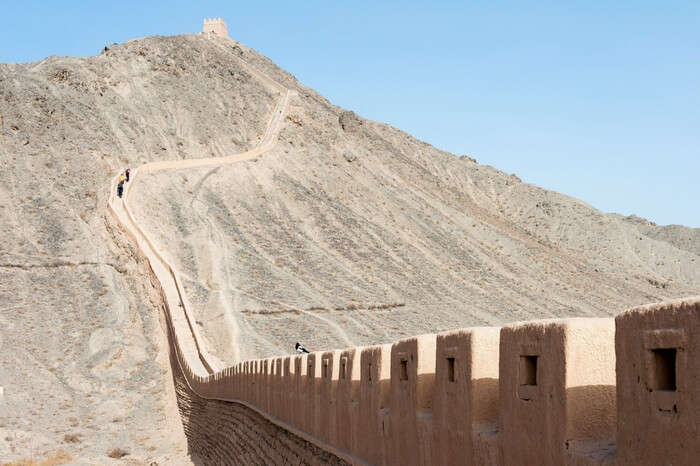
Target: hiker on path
120, 188
127, 172
122, 178
300, 349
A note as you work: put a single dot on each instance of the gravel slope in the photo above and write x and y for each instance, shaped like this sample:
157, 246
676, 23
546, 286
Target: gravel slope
83, 360
351, 232
348, 232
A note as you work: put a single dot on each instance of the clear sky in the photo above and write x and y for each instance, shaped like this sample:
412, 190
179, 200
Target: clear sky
598, 100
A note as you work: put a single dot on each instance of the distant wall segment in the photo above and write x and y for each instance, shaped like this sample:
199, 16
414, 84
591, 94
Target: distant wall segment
620, 391
215, 27
220, 432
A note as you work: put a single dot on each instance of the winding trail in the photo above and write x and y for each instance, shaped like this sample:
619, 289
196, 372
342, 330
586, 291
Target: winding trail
179, 311
201, 371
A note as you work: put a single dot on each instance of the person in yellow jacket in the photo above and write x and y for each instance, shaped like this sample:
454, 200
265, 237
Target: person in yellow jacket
122, 178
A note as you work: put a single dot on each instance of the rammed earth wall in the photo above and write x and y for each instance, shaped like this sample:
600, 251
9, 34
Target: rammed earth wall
541, 392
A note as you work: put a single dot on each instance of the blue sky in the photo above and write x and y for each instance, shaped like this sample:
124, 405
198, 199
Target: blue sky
597, 100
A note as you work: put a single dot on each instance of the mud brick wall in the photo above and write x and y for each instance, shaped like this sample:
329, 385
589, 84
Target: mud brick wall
228, 433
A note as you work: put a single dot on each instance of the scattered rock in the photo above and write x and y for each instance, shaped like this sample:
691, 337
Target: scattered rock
61, 75
657, 284
117, 453
71, 438
295, 119
349, 121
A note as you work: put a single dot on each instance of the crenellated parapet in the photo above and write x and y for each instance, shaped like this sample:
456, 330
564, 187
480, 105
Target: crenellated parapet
582, 391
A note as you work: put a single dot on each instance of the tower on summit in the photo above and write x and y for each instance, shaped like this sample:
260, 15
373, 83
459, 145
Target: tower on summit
215, 26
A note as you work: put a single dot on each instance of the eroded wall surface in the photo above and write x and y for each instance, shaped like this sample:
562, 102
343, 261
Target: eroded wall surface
221, 432
658, 383
230, 433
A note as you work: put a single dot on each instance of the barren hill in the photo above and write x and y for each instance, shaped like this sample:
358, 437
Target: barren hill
682, 237
347, 232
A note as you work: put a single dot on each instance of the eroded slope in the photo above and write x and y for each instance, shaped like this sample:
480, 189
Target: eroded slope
351, 232
83, 359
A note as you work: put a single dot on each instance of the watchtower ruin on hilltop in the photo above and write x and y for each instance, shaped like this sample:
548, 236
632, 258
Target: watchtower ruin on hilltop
215, 26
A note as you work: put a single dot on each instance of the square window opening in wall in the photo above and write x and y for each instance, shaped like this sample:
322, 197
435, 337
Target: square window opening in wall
664, 369
450, 369
528, 370
403, 369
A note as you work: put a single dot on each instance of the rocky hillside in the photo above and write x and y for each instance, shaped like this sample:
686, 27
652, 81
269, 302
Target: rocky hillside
351, 232
687, 239
83, 360
347, 232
